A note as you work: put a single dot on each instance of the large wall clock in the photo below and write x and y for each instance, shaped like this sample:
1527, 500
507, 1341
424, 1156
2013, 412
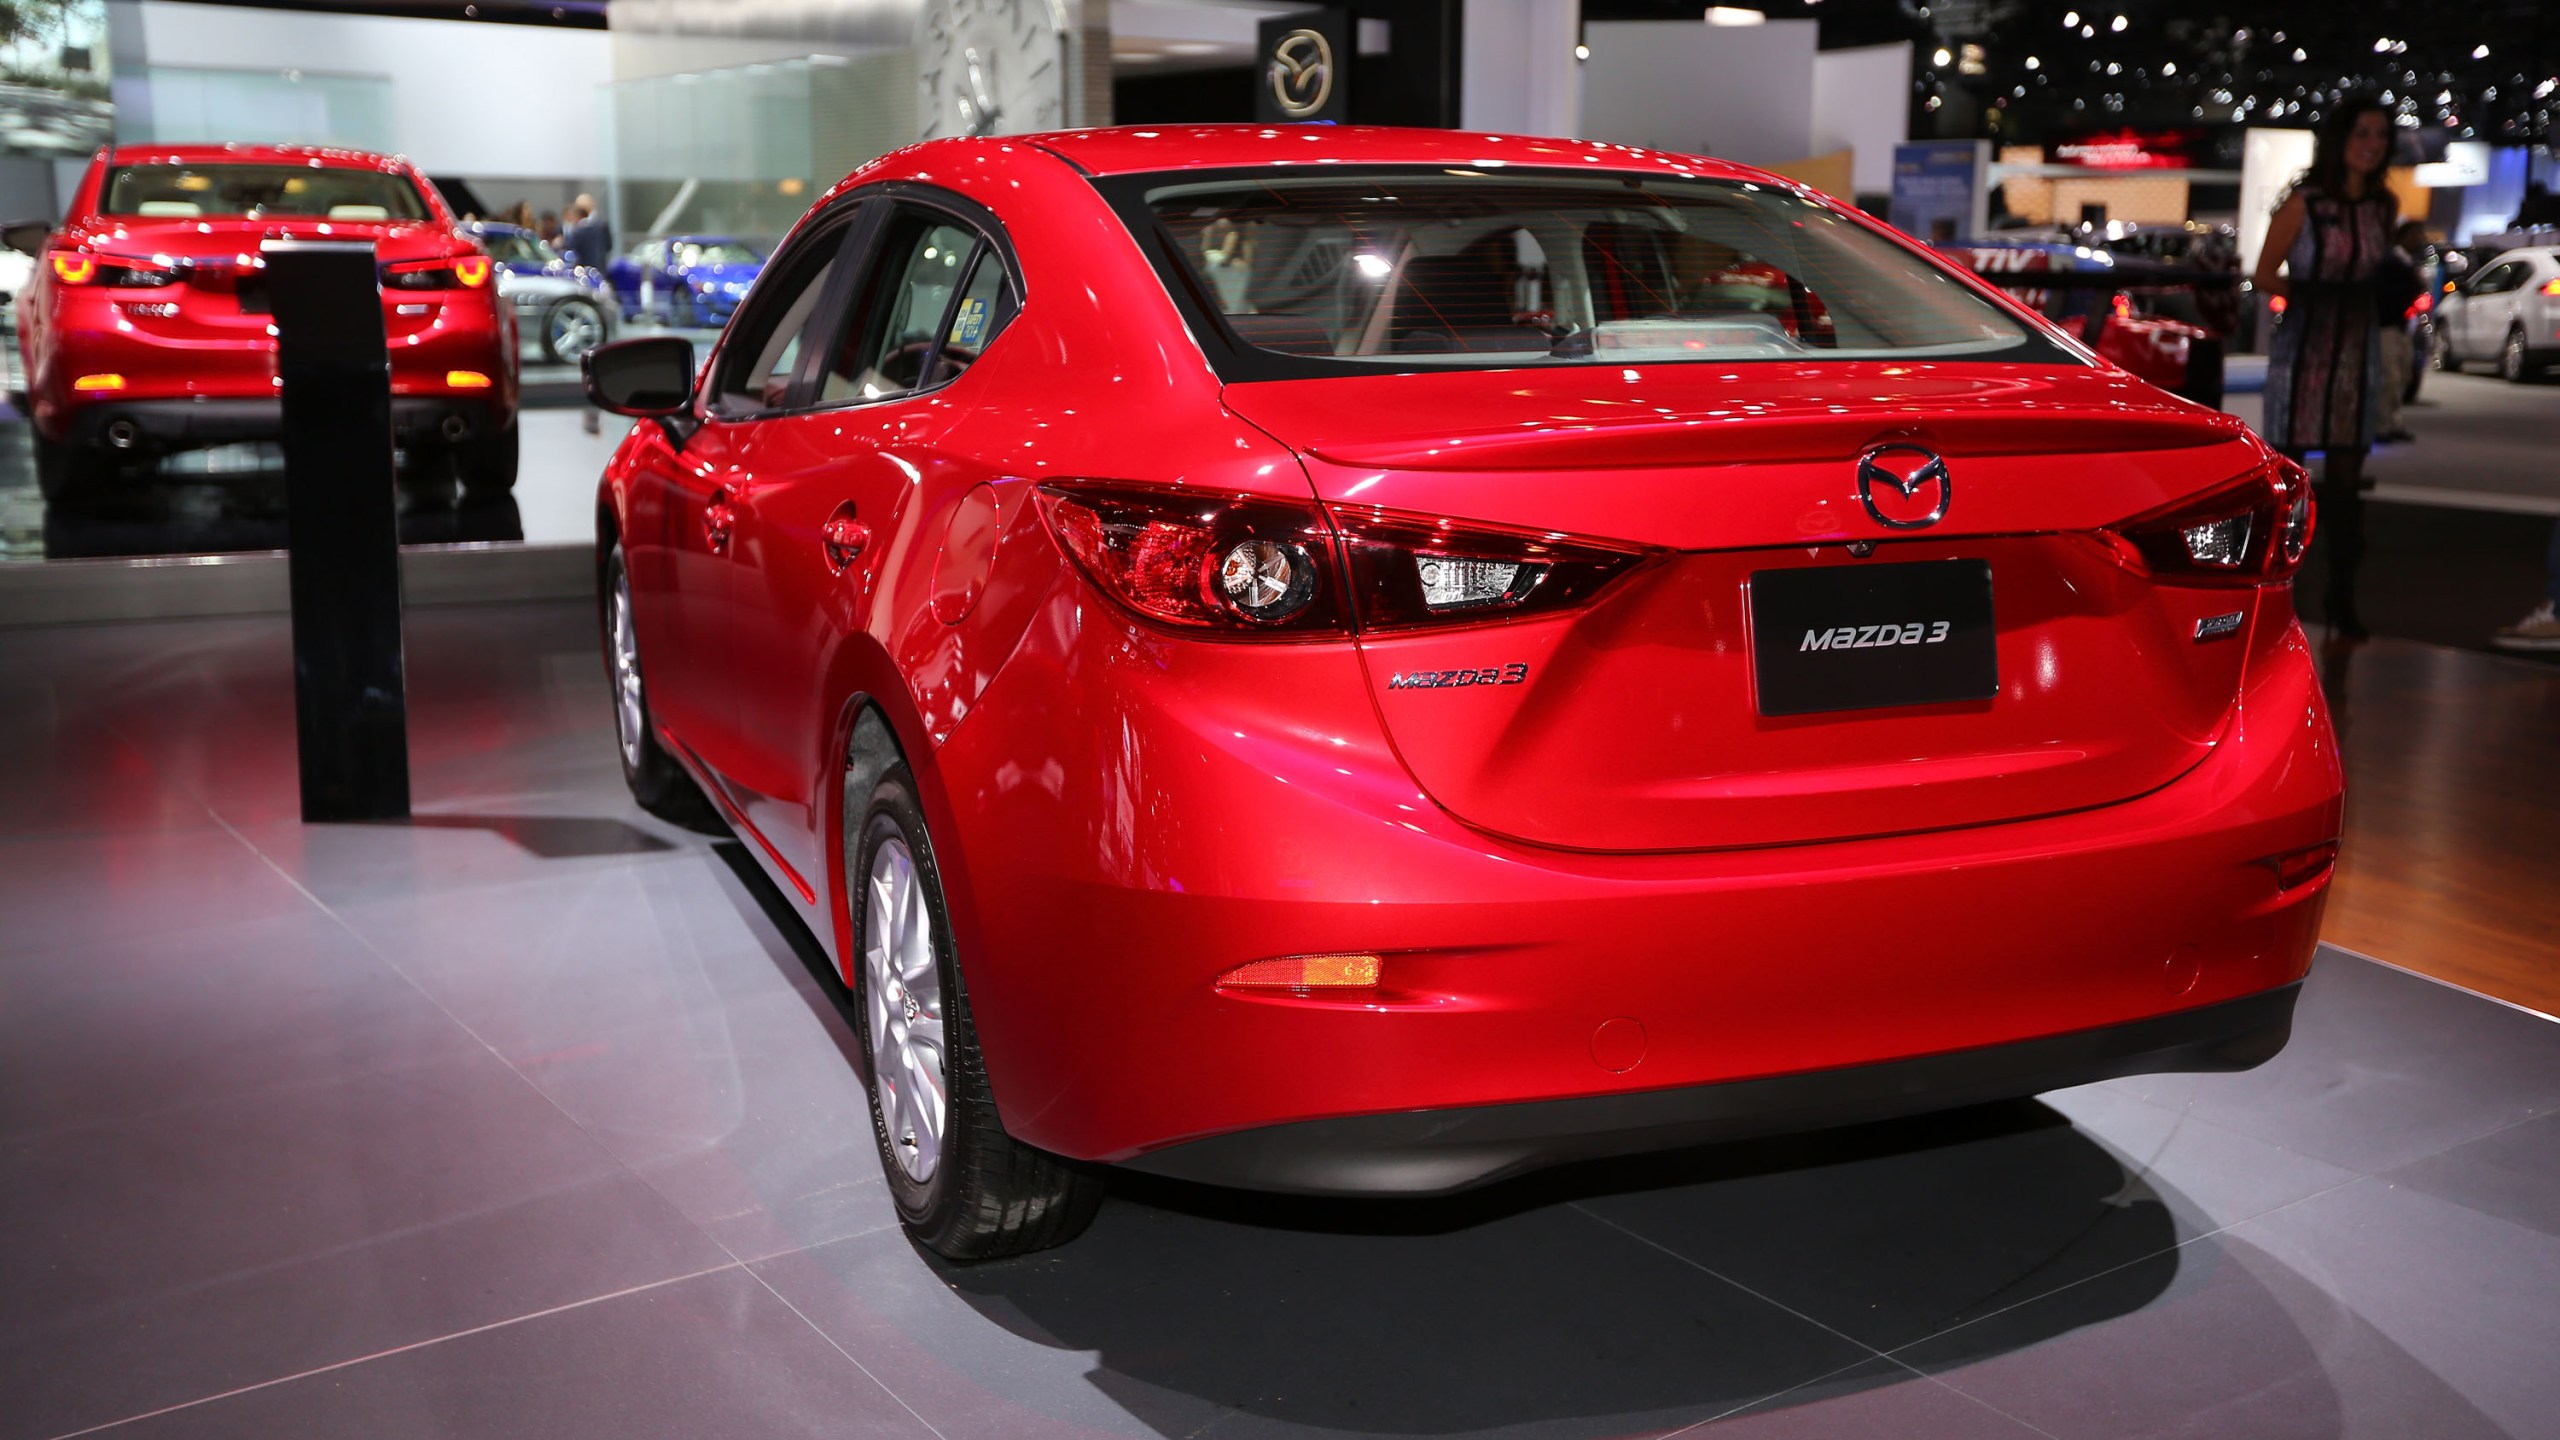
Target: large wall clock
991, 67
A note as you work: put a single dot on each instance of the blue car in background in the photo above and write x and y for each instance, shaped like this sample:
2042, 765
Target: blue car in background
686, 280
565, 307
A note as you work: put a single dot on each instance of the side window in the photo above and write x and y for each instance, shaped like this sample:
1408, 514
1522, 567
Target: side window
935, 295
763, 348
2499, 280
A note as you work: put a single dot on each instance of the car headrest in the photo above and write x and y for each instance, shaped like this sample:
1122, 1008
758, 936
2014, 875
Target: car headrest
169, 209
358, 212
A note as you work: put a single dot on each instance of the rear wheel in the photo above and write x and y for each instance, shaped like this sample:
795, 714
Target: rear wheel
66, 474
2513, 364
964, 1188
486, 463
657, 782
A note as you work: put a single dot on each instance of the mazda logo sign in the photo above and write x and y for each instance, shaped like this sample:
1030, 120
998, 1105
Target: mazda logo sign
1904, 487
1301, 73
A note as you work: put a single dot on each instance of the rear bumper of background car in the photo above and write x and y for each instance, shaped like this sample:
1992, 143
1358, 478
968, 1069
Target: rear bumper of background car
159, 426
1238, 802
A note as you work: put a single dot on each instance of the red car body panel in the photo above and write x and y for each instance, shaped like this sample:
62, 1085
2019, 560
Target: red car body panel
209, 349
1122, 813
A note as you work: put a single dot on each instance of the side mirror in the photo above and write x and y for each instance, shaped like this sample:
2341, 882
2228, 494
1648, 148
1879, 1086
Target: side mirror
647, 378
27, 237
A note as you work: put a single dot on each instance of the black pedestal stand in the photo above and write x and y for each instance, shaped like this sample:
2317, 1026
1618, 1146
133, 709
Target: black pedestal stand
342, 530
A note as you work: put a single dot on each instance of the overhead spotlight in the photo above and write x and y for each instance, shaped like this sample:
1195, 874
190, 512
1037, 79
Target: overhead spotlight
2480, 52
1734, 15
2034, 64
1581, 52
2118, 26
1940, 57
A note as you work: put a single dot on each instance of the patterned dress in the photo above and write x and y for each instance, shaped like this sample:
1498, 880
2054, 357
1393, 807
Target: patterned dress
2325, 357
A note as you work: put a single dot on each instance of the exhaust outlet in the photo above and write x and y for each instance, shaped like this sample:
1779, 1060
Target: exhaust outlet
455, 429
123, 434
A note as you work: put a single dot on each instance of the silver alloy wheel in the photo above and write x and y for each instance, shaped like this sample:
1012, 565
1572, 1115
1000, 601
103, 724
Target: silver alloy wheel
573, 329
904, 991
630, 716
2511, 359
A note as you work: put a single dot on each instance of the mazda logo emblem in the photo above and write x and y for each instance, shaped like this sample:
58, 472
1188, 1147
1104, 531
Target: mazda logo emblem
1301, 73
1905, 476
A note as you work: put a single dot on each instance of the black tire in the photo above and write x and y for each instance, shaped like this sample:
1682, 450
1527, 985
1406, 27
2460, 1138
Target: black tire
2440, 354
657, 782
570, 328
986, 1194
486, 463
2515, 363
66, 475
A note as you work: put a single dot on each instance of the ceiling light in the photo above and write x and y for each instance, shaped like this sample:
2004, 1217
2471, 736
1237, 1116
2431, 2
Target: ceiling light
2119, 25
1734, 15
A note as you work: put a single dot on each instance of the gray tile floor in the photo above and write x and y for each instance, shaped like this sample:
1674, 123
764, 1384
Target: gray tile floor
529, 1119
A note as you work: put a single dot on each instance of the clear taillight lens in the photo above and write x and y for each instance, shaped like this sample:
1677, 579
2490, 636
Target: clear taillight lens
2252, 531
1414, 570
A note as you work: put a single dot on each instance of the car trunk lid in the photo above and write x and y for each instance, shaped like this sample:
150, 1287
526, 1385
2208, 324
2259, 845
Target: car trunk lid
1638, 722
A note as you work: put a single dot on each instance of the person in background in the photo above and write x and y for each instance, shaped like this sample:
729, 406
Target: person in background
2321, 257
2397, 286
549, 229
589, 239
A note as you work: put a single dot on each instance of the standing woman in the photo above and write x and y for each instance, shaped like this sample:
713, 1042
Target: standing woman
2330, 236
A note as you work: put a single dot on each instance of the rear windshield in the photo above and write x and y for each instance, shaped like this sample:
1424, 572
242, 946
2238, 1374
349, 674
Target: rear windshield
178, 192
1344, 272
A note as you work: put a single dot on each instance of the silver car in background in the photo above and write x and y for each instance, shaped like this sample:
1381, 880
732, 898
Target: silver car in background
2507, 310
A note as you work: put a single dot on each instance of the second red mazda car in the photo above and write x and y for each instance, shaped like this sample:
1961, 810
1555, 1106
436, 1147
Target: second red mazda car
147, 329
1362, 662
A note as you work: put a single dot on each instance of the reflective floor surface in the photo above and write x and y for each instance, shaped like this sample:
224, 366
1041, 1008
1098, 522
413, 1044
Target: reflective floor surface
528, 1118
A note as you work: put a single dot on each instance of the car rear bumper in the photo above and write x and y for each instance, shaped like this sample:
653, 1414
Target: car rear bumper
1435, 1152
1218, 804
150, 427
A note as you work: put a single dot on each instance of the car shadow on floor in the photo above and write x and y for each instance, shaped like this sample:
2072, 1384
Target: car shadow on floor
551, 837
1549, 1296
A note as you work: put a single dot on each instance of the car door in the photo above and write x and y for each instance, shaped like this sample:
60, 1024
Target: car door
838, 485
2485, 310
748, 384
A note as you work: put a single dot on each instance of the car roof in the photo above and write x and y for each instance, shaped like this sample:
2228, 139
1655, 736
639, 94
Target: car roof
315, 155
1133, 149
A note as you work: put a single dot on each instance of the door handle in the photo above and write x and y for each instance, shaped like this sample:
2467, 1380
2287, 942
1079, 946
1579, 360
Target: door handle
719, 517
843, 537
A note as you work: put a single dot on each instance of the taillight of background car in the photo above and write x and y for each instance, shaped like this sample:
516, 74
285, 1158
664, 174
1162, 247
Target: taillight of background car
452, 272
74, 267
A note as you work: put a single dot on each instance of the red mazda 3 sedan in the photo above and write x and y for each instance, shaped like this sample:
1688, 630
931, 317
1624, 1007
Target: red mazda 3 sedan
1364, 662
148, 327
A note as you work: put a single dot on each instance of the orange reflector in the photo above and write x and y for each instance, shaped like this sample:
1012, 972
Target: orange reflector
1306, 972
472, 270
75, 269
2301, 867
466, 380
98, 382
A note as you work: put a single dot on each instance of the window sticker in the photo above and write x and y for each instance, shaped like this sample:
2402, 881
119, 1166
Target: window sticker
969, 324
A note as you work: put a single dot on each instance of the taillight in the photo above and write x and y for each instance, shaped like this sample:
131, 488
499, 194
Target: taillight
2551, 287
2250, 532
1249, 565
1241, 564
458, 272
1413, 570
74, 268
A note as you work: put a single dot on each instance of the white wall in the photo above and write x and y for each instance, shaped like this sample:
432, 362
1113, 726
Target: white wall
1518, 75
467, 98
1862, 102
1737, 92
2269, 159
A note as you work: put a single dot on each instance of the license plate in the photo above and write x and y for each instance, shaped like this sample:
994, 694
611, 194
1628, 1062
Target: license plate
1868, 637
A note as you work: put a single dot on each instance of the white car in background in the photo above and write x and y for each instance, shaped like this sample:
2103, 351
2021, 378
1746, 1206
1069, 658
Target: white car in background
2506, 311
